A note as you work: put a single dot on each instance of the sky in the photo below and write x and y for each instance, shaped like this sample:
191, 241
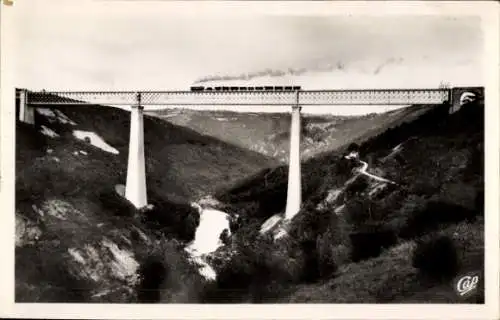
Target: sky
101, 46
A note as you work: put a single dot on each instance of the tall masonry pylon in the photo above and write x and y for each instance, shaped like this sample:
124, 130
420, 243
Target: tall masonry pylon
294, 193
135, 190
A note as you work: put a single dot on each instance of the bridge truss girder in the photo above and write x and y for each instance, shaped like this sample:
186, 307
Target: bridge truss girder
257, 98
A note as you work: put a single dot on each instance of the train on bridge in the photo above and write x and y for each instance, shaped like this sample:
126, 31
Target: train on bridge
245, 89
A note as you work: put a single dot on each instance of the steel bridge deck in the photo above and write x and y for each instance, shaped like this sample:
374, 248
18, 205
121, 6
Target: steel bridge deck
231, 98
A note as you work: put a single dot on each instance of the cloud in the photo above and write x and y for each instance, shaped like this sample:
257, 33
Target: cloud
65, 48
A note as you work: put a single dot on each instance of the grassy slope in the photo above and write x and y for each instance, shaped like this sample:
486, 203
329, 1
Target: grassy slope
444, 164
180, 161
268, 133
65, 201
390, 278
267, 189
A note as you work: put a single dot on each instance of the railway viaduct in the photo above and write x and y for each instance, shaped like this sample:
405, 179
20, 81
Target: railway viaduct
136, 191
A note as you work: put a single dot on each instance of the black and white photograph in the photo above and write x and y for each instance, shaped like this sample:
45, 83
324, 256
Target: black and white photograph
165, 153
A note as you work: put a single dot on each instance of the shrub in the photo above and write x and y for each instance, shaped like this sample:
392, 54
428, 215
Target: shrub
340, 255
344, 167
369, 242
224, 237
256, 272
114, 203
311, 270
234, 223
435, 213
424, 188
315, 133
174, 220
247, 233
353, 147
322, 237
436, 258
327, 255
309, 223
245, 210
361, 211
152, 273
272, 201
357, 186
166, 273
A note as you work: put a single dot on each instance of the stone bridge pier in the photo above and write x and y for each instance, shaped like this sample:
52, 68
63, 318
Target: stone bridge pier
294, 192
135, 190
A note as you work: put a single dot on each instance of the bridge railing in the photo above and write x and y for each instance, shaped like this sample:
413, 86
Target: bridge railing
81, 98
280, 98
374, 97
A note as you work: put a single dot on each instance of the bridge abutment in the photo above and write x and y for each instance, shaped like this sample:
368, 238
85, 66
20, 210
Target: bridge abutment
461, 95
294, 192
135, 190
26, 111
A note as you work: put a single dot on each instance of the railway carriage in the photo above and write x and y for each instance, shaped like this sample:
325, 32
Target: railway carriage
245, 89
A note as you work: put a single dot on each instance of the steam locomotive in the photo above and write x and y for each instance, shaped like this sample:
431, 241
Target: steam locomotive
264, 88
